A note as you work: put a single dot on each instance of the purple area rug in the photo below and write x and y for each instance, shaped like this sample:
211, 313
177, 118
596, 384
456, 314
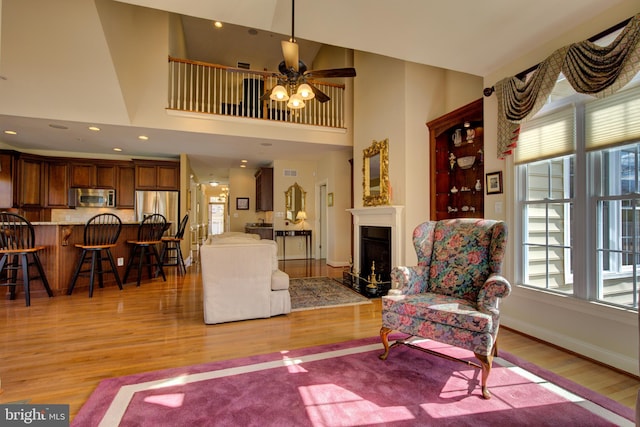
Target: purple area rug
347, 385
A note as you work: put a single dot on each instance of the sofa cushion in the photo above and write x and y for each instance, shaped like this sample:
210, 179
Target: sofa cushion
442, 309
279, 281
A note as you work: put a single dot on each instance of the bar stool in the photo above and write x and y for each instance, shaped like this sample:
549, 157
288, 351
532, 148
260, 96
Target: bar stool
17, 243
172, 244
100, 235
144, 248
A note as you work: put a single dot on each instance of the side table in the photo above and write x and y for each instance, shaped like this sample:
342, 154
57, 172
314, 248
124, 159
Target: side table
295, 233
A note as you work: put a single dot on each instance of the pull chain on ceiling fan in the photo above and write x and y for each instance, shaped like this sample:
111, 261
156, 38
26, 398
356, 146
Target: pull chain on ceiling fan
294, 74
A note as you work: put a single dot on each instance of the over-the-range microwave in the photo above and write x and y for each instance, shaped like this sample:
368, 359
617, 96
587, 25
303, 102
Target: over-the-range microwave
92, 198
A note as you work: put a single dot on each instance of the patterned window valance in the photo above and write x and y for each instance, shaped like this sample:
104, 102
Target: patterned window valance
590, 69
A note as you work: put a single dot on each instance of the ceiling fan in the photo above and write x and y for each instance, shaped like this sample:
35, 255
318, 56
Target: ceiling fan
294, 74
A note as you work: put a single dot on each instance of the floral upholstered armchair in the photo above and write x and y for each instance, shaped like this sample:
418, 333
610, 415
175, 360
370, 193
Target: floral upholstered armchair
452, 295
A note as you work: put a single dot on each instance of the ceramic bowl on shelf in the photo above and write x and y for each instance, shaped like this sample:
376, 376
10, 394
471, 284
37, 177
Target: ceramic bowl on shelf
466, 162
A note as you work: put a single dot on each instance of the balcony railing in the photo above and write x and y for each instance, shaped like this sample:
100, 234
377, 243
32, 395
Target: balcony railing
216, 89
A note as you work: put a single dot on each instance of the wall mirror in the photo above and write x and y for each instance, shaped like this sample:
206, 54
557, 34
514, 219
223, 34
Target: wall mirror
375, 171
295, 202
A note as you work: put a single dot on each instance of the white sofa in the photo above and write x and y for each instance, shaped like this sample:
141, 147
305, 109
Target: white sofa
241, 280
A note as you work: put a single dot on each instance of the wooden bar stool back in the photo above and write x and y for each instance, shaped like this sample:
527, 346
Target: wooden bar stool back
19, 252
171, 250
145, 250
101, 234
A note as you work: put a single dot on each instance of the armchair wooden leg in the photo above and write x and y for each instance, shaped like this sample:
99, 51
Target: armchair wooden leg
384, 335
486, 362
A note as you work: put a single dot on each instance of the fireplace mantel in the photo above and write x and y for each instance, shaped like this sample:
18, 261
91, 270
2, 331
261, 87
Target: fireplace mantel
380, 216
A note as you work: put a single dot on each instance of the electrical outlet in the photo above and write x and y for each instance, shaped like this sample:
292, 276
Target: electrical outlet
120, 262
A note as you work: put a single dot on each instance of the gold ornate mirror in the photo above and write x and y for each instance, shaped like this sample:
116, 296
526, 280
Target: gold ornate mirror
375, 171
295, 203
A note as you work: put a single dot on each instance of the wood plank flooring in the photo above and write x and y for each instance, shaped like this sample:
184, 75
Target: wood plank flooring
58, 350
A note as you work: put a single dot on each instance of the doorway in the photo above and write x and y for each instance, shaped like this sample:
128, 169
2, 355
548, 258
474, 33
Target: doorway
322, 222
216, 218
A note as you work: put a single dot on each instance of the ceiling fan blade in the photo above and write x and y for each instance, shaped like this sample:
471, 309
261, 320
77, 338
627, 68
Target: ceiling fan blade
320, 95
290, 53
335, 72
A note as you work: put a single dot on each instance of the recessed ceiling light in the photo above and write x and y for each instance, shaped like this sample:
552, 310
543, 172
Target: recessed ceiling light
243, 166
217, 24
58, 126
253, 31
117, 149
10, 132
213, 184
94, 128
143, 137
244, 161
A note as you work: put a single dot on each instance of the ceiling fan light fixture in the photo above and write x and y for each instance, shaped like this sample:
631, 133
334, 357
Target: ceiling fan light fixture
305, 92
295, 102
279, 93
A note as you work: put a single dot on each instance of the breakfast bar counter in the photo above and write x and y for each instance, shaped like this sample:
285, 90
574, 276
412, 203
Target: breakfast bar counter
60, 256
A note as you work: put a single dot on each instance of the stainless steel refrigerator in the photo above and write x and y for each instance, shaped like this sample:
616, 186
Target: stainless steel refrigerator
161, 202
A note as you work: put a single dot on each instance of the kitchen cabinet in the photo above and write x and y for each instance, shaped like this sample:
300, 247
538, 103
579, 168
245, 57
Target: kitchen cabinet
264, 189
85, 175
35, 184
57, 185
456, 143
82, 175
168, 177
6, 179
105, 176
125, 191
157, 176
29, 183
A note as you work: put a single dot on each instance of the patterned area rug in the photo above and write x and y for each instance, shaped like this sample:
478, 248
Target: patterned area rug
321, 292
345, 384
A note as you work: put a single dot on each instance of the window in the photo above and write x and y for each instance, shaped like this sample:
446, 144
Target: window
578, 184
618, 225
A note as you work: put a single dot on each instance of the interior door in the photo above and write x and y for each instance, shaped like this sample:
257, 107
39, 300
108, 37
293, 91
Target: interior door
322, 223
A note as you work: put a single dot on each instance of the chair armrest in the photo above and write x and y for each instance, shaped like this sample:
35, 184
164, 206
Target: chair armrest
411, 280
495, 288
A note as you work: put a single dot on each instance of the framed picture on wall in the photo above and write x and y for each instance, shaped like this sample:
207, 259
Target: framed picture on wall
242, 203
494, 182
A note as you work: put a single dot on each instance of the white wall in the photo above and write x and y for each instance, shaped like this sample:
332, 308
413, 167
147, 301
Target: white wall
306, 179
606, 334
242, 183
106, 62
335, 171
394, 99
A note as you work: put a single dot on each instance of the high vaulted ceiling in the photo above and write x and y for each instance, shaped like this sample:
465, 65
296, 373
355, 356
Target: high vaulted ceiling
470, 36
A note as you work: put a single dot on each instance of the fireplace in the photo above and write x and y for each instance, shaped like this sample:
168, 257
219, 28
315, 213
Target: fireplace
377, 236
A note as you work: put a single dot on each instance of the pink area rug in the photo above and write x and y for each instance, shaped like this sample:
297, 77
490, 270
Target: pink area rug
347, 385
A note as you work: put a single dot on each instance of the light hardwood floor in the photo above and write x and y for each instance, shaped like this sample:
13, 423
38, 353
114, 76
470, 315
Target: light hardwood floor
58, 350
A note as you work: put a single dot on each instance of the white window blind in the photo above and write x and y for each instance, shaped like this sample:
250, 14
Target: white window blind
614, 120
551, 135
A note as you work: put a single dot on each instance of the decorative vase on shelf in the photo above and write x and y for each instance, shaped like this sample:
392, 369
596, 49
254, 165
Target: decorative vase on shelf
478, 185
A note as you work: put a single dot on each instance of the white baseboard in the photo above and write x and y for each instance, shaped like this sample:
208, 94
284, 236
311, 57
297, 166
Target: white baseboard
602, 355
332, 263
